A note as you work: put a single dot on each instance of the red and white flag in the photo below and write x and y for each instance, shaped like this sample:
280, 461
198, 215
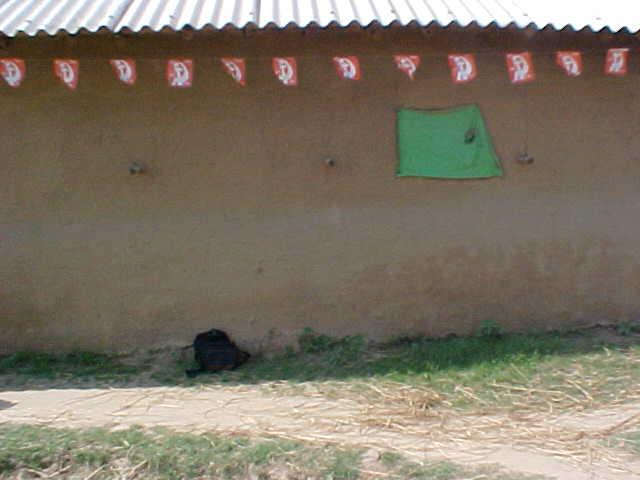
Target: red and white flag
348, 68
13, 71
570, 62
520, 67
616, 61
286, 70
67, 71
235, 67
180, 73
463, 67
408, 64
125, 70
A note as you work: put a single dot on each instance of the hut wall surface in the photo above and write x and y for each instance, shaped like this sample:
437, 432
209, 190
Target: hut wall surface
239, 224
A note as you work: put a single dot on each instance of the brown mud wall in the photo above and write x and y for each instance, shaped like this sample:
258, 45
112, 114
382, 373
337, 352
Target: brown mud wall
239, 224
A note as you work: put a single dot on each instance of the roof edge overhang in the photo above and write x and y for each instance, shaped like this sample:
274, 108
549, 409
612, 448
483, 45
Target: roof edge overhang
333, 25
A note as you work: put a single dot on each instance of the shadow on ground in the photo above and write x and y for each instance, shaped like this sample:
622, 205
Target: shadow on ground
4, 404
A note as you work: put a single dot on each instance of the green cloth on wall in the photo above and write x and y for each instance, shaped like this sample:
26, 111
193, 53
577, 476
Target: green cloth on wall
446, 143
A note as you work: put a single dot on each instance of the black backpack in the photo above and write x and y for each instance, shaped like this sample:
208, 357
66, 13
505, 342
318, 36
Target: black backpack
214, 351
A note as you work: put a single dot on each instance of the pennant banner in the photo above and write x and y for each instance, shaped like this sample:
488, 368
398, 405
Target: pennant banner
408, 64
13, 70
348, 68
235, 67
67, 71
570, 62
520, 67
286, 70
463, 68
125, 70
180, 73
616, 61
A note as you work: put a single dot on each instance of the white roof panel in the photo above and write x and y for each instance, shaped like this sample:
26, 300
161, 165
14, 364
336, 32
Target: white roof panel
52, 16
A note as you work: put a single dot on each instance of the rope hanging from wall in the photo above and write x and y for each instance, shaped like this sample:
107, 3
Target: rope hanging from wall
180, 71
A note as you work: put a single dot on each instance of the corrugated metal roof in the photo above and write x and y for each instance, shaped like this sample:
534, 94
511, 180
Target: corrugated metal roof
53, 16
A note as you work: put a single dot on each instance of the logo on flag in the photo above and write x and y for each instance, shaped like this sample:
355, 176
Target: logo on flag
348, 68
67, 71
520, 67
180, 73
286, 70
407, 64
13, 71
570, 62
463, 68
125, 70
616, 61
235, 67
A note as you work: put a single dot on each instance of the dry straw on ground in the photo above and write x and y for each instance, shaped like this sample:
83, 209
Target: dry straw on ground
569, 421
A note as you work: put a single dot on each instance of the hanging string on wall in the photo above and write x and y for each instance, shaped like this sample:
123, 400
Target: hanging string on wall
525, 158
180, 71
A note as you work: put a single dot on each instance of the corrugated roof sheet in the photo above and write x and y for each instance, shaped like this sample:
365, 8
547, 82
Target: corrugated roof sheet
53, 16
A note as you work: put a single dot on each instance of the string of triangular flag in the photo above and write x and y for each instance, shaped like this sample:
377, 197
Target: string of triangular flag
180, 72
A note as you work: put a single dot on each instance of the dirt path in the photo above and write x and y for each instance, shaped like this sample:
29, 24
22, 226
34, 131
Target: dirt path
567, 446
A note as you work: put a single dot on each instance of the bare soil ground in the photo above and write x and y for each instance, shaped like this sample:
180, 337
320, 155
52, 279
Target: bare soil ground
567, 444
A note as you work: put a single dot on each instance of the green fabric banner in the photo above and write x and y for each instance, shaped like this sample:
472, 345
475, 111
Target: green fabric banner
445, 143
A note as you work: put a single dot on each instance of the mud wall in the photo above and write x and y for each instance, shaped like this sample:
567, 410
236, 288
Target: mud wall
239, 223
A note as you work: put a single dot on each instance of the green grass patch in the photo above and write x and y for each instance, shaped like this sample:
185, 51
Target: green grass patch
404, 468
75, 364
407, 469
163, 454
629, 441
493, 369
416, 359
